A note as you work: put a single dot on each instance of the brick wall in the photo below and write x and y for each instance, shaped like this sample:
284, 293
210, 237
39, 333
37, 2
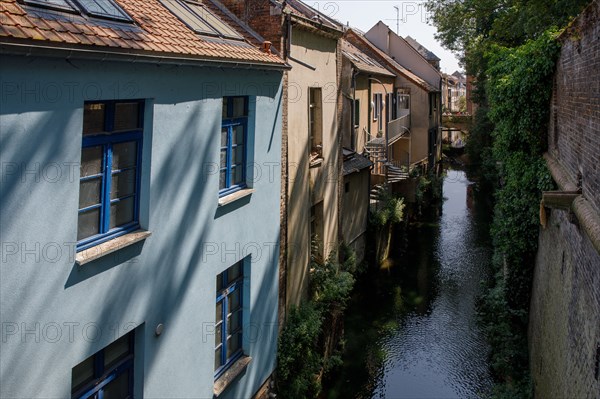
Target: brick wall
574, 137
564, 329
261, 16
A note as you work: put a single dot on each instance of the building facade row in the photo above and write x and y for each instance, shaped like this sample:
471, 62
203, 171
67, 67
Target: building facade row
171, 168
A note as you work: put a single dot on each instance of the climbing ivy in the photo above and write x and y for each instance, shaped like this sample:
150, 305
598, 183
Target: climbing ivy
519, 88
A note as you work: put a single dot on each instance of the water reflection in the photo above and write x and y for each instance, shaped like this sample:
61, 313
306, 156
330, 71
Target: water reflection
411, 329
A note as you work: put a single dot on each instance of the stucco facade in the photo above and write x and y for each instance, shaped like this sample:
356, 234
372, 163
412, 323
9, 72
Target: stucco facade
311, 183
55, 313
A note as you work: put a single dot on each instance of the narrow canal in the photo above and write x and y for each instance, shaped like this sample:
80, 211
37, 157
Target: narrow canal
411, 328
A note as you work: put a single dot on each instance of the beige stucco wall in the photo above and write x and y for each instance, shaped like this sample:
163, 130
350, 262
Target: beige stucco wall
387, 41
309, 186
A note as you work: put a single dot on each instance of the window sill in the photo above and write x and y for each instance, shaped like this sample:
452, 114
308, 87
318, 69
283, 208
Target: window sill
230, 375
235, 196
108, 247
315, 162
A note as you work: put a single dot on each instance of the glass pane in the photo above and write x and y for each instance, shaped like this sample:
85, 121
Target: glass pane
218, 332
234, 300
236, 175
224, 137
214, 21
223, 159
239, 107
189, 18
121, 212
218, 362
219, 282
88, 224
238, 155
224, 112
238, 135
123, 184
82, 373
222, 181
89, 192
234, 322
91, 161
219, 312
127, 116
116, 351
233, 344
124, 155
119, 387
93, 118
234, 272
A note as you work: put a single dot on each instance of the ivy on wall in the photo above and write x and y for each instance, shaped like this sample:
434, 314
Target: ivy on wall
518, 89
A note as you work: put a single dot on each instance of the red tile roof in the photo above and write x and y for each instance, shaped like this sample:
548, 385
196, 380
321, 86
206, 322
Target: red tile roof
156, 29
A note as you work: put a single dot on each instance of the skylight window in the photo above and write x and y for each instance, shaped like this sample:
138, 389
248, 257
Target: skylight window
200, 19
60, 5
105, 9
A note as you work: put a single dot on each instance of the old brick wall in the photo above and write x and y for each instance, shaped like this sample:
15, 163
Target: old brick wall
564, 329
574, 136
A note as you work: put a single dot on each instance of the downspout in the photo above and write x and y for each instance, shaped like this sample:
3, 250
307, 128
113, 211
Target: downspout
353, 138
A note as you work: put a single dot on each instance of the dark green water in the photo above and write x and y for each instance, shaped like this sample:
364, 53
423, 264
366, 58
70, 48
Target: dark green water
411, 329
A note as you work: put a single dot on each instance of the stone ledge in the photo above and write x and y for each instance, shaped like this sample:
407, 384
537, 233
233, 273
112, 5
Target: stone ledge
230, 375
228, 199
110, 246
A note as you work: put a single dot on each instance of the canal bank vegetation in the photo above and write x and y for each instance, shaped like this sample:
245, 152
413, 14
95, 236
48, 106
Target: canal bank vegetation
510, 49
311, 342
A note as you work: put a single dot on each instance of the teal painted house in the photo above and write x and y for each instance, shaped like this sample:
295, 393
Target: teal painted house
140, 143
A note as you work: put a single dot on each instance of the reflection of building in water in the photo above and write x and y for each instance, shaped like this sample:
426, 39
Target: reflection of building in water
470, 196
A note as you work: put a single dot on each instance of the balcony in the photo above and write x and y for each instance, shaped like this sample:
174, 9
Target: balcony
399, 127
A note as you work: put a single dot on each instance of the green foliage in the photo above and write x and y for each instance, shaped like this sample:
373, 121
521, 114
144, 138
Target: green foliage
300, 353
519, 90
332, 283
298, 358
391, 210
509, 47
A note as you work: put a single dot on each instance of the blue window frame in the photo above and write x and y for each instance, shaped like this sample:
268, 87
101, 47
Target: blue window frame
110, 168
228, 321
106, 374
234, 134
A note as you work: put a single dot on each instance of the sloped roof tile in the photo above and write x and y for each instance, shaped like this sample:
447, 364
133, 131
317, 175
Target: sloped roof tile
155, 29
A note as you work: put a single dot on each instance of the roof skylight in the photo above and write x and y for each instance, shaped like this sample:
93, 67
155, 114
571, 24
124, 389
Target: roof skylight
197, 17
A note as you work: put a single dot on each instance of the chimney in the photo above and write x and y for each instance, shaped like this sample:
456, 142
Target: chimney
266, 47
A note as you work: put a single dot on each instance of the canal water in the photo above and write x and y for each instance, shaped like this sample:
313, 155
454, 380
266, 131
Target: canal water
411, 328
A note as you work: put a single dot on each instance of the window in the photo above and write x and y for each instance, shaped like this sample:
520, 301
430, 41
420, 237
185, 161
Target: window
377, 108
234, 131
356, 113
315, 122
106, 374
198, 18
228, 321
106, 9
110, 166
316, 233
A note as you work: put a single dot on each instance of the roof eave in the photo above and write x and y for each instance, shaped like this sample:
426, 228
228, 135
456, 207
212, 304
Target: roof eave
50, 49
